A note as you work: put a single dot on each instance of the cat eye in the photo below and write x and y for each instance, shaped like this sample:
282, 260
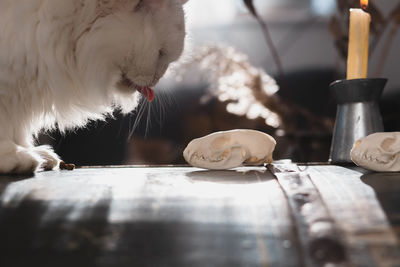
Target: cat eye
161, 53
138, 6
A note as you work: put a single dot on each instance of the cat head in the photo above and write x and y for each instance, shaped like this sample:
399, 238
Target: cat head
126, 44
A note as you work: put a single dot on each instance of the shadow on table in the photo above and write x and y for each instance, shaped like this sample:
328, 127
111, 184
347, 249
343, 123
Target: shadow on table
65, 224
6, 180
39, 233
387, 190
235, 176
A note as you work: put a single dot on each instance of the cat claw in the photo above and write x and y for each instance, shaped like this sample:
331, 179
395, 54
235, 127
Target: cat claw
50, 158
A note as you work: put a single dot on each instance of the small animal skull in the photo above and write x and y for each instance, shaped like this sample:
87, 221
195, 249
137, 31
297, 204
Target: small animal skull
229, 149
378, 152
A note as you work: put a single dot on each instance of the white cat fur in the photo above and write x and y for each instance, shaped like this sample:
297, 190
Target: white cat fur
61, 60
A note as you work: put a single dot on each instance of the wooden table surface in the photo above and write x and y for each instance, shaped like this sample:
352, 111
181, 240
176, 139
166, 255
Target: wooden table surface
286, 215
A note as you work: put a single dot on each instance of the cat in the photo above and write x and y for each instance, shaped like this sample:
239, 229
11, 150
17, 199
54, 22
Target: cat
65, 62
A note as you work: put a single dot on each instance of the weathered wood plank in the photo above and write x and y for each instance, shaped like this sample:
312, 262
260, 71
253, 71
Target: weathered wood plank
320, 240
146, 217
387, 190
358, 214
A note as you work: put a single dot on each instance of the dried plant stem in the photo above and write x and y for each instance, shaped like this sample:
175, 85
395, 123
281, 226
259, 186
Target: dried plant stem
271, 45
386, 49
250, 6
377, 38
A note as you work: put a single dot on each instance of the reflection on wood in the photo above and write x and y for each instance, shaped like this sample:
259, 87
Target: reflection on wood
183, 216
321, 242
146, 217
358, 214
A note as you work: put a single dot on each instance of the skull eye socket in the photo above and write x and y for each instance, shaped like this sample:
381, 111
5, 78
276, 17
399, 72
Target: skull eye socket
387, 143
220, 142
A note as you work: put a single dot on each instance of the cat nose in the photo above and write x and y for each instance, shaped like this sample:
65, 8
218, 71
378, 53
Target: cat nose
161, 53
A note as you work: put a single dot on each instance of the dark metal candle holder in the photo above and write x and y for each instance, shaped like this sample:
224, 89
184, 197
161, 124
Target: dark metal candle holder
357, 114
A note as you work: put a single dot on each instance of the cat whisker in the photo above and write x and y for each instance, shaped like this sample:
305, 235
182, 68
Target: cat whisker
148, 119
166, 102
139, 115
156, 112
163, 106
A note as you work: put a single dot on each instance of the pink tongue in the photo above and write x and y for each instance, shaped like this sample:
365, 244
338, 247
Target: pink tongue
147, 92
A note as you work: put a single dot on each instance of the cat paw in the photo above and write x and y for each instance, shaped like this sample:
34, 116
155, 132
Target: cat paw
50, 159
26, 161
18, 160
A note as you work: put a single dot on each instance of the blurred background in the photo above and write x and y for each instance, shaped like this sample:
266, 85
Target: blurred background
230, 78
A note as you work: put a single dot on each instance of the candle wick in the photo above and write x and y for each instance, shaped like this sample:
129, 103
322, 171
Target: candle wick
364, 7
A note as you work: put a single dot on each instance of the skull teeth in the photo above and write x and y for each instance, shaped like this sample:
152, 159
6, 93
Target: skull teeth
230, 149
378, 151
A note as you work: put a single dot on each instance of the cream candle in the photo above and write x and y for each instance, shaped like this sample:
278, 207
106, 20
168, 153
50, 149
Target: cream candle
357, 58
